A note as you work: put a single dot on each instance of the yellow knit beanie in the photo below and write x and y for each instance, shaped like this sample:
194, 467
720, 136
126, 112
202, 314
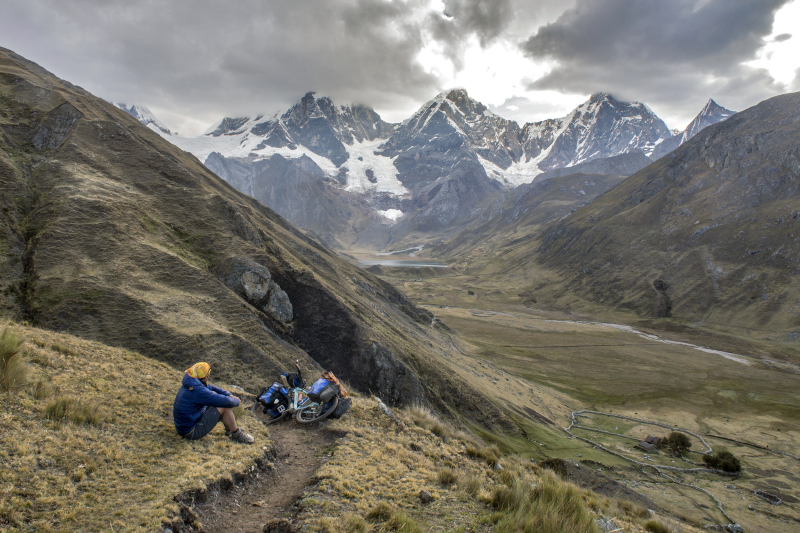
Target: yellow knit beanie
199, 370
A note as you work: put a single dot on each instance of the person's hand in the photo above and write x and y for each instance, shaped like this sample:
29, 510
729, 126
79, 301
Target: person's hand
235, 398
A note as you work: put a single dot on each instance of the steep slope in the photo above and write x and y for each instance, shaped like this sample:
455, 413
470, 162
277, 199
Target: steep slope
113, 234
710, 115
710, 233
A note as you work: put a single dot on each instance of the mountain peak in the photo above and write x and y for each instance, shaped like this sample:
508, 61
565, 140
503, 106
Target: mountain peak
145, 116
600, 97
455, 95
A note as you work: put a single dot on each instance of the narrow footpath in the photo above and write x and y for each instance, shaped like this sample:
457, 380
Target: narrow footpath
269, 495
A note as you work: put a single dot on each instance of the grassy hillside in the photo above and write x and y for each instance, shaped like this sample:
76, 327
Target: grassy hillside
88, 442
112, 461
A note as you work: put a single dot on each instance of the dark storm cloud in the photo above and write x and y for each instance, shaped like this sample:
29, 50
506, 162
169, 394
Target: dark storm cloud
485, 19
782, 37
663, 53
206, 57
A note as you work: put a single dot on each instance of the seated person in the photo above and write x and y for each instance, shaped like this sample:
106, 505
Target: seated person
200, 406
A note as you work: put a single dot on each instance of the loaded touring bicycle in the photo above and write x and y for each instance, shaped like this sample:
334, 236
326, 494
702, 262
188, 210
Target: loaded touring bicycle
325, 398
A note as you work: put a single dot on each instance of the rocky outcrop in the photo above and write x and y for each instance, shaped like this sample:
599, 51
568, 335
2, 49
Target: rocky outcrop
254, 283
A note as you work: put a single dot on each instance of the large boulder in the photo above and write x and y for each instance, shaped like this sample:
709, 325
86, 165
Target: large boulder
254, 283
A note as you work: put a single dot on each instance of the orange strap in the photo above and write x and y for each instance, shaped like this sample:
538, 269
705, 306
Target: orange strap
330, 377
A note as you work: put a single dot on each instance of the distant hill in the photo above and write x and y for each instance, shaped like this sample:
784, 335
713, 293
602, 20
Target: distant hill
111, 233
710, 233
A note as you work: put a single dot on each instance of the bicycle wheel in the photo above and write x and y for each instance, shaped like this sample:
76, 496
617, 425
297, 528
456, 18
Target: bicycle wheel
316, 412
266, 418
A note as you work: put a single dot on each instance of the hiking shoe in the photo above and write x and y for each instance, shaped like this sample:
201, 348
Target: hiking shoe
240, 436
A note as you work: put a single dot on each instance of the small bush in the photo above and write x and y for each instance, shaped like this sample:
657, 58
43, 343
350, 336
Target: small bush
394, 519
489, 454
654, 526
471, 484
69, 408
723, 460
447, 476
401, 522
326, 525
60, 348
551, 507
632, 510
677, 442
354, 524
13, 368
381, 512
41, 390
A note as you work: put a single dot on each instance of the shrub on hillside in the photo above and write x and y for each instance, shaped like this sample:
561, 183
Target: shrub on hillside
394, 519
13, 368
41, 390
490, 454
677, 442
654, 526
70, 408
447, 476
551, 507
471, 484
723, 460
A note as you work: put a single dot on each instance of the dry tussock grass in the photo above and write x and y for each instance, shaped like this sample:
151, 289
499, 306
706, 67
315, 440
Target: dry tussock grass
119, 474
372, 482
13, 368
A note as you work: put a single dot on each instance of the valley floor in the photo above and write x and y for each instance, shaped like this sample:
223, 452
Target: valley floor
539, 366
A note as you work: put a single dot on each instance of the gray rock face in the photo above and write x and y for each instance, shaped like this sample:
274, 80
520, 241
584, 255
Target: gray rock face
254, 283
278, 303
379, 366
55, 128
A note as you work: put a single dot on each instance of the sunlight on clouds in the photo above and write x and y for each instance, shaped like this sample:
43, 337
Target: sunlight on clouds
781, 58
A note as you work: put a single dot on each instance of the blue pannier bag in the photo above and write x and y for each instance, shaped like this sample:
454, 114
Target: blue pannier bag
323, 391
275, 399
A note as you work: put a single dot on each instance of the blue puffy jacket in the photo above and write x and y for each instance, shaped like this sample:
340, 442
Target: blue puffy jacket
192, 400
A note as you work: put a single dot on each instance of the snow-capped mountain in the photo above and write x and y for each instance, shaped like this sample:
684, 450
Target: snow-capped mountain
442, 167
711, 114
146, 117
600, 127
340, 139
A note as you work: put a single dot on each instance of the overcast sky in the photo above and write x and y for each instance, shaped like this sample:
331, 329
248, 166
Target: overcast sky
194, 61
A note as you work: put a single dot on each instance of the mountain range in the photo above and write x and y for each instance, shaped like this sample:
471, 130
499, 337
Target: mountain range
370, 183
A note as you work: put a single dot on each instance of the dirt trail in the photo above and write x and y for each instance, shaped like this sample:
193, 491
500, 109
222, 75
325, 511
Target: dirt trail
249, 505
